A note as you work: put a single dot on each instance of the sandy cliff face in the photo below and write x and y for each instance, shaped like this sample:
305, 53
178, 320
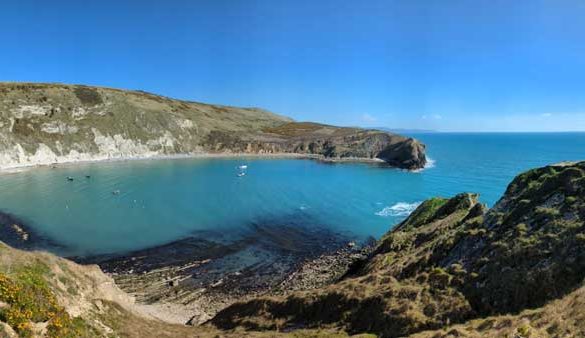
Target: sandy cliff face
52, 123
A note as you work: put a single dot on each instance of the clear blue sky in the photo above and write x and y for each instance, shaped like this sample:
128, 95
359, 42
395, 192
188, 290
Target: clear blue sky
438, 64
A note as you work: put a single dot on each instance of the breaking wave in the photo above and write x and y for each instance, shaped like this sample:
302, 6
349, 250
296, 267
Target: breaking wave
400, 209
430, 164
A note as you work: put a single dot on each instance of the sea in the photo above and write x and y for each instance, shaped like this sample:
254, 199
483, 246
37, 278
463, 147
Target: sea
118, 207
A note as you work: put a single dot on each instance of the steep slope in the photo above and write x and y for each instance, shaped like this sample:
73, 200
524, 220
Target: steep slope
449, 262
450, 269
42, 295
560, 318
49, 123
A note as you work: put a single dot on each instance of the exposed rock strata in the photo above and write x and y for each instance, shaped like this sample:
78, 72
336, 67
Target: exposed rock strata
451, 261
451, 269
53, 123
199, 277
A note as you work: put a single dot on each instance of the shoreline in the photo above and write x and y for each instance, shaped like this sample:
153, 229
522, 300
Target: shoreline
206, 300
13, 169
189, 280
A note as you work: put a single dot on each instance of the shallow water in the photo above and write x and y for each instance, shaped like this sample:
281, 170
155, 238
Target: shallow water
164, 200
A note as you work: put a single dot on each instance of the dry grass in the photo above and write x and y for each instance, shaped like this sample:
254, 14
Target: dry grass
450, 262
560, 318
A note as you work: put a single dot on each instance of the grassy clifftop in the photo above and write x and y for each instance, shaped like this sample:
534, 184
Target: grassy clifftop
452, 268
42, 295
453, 261
47, 123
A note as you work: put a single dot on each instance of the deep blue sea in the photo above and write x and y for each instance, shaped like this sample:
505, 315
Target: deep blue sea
160, 201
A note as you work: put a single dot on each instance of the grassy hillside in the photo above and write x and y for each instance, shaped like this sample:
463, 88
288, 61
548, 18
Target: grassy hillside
42, 295
452, 262
47, 123
451, 269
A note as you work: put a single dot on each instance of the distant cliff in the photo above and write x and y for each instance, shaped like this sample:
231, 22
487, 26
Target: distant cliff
55, 123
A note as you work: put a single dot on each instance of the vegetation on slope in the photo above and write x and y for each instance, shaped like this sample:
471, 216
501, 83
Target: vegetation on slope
46, 123
29, 300
450, 269
449, 262
45, 296
564, 317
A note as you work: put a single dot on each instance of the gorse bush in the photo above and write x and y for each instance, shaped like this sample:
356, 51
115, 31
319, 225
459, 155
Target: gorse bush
29, 300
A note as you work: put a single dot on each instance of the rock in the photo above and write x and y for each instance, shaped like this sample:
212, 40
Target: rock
65, 127
24, 236
198, 319
453, 260
6, 331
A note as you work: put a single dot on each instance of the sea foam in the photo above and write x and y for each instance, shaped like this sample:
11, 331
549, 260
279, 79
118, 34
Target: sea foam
400, 209
430, 164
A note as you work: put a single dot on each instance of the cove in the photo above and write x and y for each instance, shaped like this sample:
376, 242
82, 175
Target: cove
117, 207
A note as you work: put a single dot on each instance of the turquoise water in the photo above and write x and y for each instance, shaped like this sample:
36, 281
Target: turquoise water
165, 200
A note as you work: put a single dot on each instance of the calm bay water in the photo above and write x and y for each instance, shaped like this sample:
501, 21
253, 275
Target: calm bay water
164, 200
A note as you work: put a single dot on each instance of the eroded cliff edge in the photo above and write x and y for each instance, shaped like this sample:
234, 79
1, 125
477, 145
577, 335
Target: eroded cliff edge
451, 269
55, 123
503, 272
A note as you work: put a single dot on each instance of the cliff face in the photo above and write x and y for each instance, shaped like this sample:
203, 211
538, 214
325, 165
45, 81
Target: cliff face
52, 123
452, 261
42, 295
452, 268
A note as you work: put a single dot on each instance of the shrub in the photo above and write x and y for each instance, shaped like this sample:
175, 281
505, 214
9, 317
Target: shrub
547, 212
439, 278
30, 300
88, 96
521, 229
580, 238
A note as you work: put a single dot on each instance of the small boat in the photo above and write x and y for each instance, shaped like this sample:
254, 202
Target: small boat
87, 176
241, 174
116, 192
69, 178
243, 167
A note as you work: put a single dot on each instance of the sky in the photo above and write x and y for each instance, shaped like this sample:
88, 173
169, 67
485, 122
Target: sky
449, 65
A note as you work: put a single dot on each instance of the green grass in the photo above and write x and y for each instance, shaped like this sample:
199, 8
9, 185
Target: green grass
30, 300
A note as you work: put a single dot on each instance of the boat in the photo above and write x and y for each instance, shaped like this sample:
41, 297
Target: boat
241, 174
243, 167
69, 178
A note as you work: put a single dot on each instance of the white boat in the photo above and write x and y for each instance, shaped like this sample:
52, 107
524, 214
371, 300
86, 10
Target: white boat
243, 167
241, 174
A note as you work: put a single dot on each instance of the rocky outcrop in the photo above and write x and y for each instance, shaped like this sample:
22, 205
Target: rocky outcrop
54, 123
453, 261
451, 269
42, 295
